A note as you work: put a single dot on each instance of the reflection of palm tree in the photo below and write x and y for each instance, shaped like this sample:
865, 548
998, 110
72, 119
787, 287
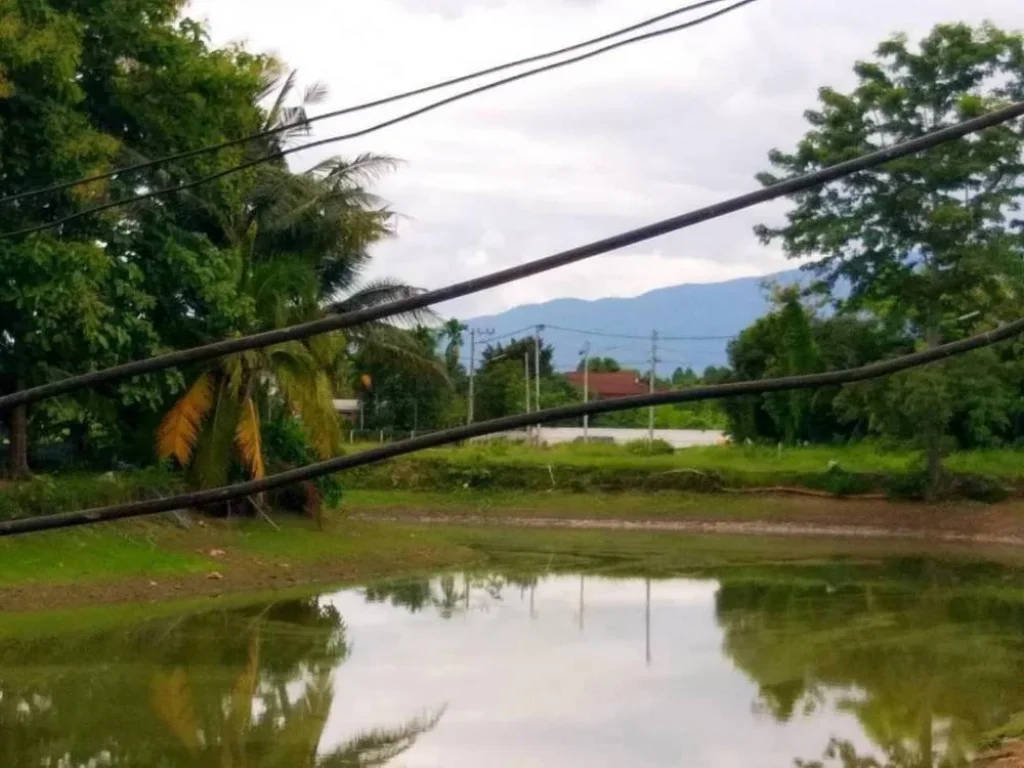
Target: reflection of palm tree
284, 733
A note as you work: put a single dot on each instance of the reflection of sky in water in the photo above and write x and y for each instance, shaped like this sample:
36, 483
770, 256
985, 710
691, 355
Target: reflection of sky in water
526, 691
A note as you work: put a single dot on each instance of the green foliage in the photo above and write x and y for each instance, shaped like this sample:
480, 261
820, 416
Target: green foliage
287, 445
46, 494
928, 246
654, 447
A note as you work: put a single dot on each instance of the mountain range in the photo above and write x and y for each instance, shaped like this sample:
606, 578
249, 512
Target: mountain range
694, 322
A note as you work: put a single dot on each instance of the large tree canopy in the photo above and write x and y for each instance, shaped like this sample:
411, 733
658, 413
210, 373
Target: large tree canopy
927, 237
930, 246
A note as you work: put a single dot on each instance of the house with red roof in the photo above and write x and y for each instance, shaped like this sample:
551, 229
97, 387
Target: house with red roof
604, 386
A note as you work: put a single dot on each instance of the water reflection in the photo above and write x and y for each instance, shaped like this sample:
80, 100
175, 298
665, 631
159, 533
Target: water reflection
900, 664
925, 659
248, 687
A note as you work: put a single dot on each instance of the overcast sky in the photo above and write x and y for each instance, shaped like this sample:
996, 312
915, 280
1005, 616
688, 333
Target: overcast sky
636, 135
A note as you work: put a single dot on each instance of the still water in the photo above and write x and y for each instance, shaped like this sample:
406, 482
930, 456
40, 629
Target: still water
907, 661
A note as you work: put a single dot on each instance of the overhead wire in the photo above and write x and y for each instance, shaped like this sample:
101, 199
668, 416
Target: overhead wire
365, 131
211, 148
222, 494
636, 337
501, 277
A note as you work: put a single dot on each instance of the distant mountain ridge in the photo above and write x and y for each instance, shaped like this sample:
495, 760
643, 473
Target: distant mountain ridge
715, 311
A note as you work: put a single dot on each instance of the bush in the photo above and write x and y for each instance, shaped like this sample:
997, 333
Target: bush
46, 494
650, 447
286, 446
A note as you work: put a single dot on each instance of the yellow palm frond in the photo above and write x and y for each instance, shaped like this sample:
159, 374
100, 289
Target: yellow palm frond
248, 440
172, 702
176, 436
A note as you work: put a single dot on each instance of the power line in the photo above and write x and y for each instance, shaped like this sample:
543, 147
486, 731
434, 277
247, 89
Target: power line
458, 434
610, 335
385, 124
475, 285
500, 337
188, 154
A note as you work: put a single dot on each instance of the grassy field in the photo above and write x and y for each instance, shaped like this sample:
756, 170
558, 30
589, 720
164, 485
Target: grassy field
863, 457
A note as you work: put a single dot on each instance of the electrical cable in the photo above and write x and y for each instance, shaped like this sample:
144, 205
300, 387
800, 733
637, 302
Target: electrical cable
610, 335
500, 337
457, 434
188, 154
510, 274
385, 124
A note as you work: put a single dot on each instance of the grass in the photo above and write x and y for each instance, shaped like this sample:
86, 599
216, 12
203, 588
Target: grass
590, 506
863, 457
853, 458
94, 553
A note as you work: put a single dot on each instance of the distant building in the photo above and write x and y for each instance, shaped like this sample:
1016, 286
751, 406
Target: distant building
604, 386
348, 408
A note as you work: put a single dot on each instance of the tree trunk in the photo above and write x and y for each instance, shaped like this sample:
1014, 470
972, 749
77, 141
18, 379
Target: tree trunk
17, 455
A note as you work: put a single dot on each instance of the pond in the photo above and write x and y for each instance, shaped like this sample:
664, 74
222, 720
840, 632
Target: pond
908, 661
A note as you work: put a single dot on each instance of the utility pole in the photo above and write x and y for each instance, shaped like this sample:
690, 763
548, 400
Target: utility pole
586, 388
472, 371
654, 373
536, 374
526, 376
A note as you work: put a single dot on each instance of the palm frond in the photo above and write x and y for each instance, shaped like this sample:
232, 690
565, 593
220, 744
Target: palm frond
248, 440
172, 701
283, 290
178, 431
212, 456
270, 78
363, 168
384, 291
284, 90
307, 391
244, 692
380, 746
315, 93
398, 348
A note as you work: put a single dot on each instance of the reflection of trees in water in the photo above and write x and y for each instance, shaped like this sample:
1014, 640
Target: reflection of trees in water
449, 594
249, 687
927, 663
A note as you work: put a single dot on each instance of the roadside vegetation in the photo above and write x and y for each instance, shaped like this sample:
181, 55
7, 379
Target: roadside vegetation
929, 251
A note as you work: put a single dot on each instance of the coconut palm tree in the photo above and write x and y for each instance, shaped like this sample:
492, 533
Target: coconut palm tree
302, 241
452, 330
220, 410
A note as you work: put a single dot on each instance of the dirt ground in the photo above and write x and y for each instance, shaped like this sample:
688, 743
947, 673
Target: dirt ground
1009, 754
997, 524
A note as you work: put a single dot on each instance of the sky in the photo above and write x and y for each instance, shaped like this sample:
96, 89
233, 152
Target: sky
564, 158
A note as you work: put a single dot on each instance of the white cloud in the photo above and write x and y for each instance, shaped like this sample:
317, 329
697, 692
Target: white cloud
639, 134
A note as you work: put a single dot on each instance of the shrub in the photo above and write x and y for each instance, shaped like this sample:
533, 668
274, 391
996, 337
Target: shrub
650, 447
46, 494
286, 446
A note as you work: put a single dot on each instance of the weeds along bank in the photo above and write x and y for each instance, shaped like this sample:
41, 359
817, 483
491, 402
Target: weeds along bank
639, 467
578, 468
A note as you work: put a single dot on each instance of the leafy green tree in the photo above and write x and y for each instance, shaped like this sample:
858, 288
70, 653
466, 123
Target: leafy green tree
926, 239
85, 85
501, 380
602, 365
410, 390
